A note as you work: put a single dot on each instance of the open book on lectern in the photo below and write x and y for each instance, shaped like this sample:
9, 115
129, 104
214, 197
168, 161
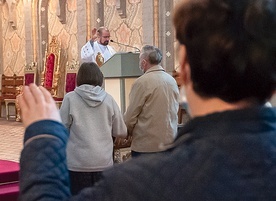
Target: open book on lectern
122, 65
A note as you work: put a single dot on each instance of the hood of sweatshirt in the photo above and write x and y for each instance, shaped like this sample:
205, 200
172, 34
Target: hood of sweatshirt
91, 95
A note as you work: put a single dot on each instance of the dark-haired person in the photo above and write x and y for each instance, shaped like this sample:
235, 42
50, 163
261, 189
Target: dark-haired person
227, 151
92, 117
97, 48
151, 117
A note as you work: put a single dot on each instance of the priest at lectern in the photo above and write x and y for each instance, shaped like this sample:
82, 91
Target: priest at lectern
97, 49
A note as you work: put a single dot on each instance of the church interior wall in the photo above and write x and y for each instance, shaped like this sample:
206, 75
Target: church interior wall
27, 26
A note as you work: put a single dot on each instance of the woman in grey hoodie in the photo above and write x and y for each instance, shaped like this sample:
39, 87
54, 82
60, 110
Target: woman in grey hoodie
92, 117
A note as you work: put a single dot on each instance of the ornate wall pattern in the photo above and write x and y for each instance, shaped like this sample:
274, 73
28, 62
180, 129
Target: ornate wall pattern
35, 22
13, 37
58, 18
126, 28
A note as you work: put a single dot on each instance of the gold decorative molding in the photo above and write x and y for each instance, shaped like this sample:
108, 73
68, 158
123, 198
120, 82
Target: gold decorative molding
52, 48
34, 29
73, 65
88, 20
31, 67
156, 22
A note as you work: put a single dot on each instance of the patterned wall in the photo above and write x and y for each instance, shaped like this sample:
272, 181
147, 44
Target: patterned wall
66, 32
126, 28
13, 37
131, 22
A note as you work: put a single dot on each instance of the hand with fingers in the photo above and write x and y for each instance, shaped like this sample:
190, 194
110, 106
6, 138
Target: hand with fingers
94, 34
36, 103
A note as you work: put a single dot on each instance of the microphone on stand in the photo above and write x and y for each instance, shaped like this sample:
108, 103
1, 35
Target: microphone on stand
137, 50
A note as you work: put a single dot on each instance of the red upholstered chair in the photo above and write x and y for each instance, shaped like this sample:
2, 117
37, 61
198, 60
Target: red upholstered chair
70, 82
50, 75
49, 68
30, 72
71, 76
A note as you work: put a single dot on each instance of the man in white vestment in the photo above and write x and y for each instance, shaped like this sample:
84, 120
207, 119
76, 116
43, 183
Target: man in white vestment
97, 49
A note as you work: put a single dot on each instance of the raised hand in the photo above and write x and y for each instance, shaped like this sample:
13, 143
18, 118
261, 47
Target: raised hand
94, 34
36, 103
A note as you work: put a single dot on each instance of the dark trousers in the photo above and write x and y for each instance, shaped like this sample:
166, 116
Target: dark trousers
81, 180
135, 154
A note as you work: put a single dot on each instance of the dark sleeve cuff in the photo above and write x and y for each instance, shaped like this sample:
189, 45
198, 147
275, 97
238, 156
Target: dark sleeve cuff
49, 127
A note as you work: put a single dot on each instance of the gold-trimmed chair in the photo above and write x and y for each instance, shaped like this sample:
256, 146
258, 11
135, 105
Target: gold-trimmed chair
50, 75
71, 75
30, 73
70, 78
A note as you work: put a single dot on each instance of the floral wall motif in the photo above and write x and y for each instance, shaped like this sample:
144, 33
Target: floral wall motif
126, 30
66, 33
13, 39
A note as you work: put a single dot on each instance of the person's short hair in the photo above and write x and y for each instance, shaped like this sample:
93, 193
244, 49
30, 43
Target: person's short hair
152, 54
101, 29
89, 73
231, 47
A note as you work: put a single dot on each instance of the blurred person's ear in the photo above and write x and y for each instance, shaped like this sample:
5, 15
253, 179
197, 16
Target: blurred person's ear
185, 71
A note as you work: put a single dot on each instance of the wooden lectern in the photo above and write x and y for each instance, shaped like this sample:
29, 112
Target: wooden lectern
119, 67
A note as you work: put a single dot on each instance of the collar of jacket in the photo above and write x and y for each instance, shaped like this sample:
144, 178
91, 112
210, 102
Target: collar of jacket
260, 118
155, 68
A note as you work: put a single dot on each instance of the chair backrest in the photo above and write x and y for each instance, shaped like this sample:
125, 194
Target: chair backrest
50, 75
71, 76
10, 86
30, 72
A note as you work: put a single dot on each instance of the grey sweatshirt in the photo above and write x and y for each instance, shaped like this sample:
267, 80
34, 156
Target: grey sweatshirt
92, 117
